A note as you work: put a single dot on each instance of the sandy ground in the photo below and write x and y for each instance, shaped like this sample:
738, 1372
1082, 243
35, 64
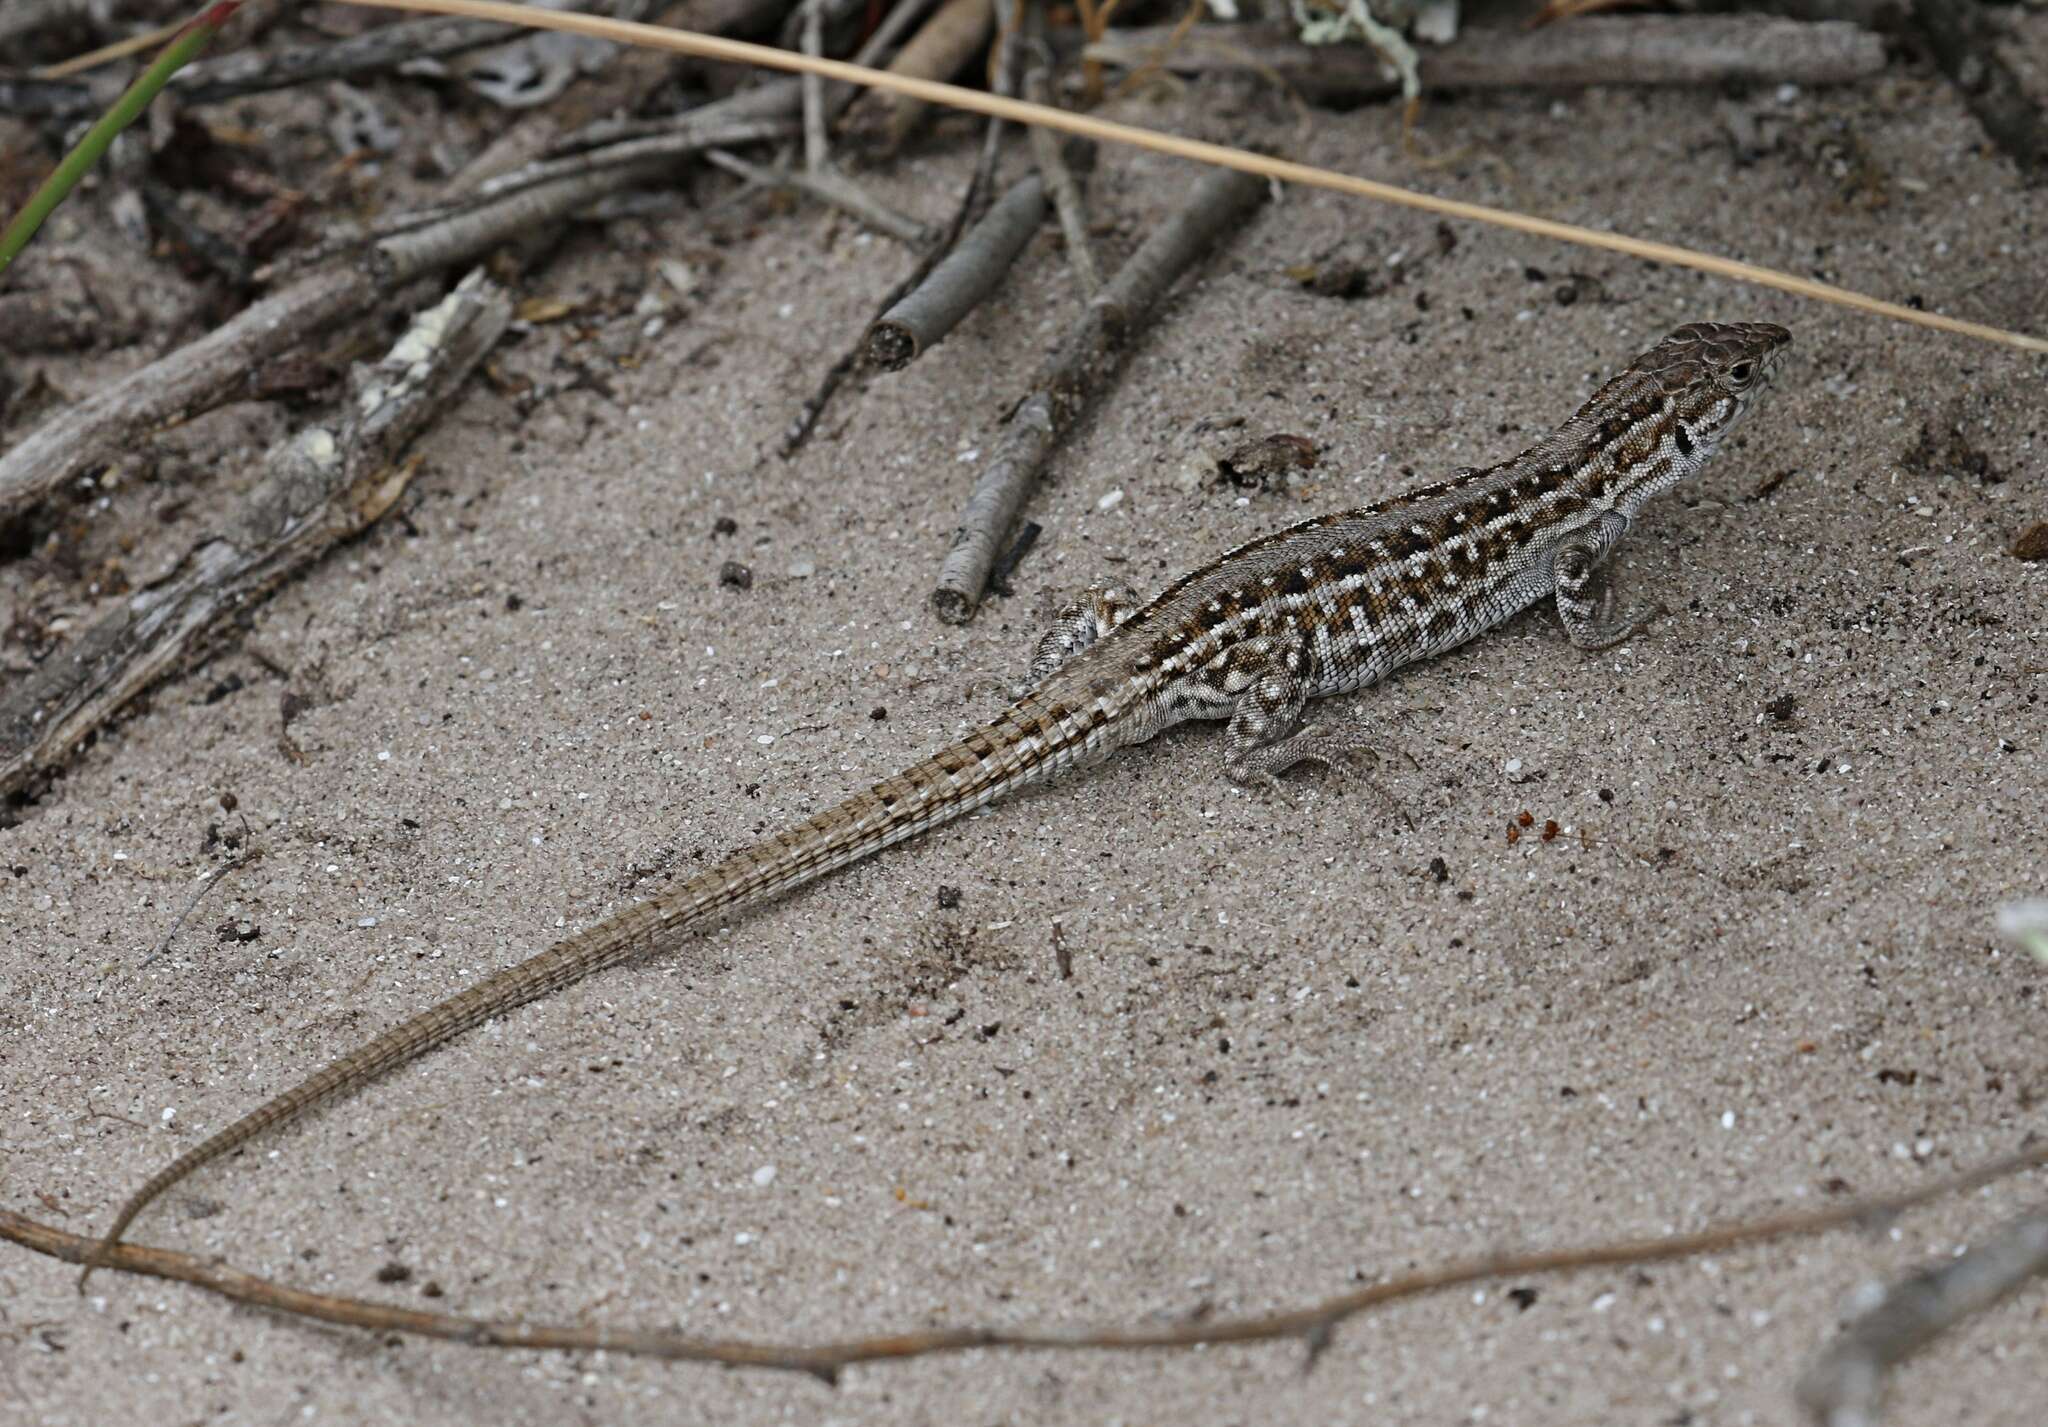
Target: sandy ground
1756, 970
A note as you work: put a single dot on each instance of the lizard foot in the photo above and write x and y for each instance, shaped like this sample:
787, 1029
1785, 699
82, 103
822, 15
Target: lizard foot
1334, 749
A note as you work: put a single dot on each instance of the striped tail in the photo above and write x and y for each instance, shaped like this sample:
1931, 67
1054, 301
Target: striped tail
1027, 743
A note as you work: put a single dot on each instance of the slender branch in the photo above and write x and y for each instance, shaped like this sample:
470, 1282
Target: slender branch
1051, 163
1074, 376
1845, 1384
577, 117
1005, 68
740, 120
828, 185
969, 209
1620, 49
1313, 1325
1219, 155
937, 51
817, 149
902, 15
206, 884
999, 577
319, 487
230, 76
954, 288
107, 54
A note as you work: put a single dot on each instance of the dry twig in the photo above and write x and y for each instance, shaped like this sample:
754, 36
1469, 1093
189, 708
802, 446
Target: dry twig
1084, 363
206, 884
1052, 164
969, 273
937, 51
972, 202
902, 15
1845, 1384
573, 119
1221, 156
107, 54
817, 151
828, 185
230, 76
1313, 1325
196, 376
213, 368
1644, 49
319, 487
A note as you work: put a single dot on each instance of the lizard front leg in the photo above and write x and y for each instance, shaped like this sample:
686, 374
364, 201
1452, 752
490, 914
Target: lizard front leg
1098, 611
1585, 598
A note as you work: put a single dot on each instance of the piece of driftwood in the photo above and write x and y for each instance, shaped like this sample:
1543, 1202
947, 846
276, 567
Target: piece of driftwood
969, 273
1084, 363
1844, 1387
1599, 49
214, 368
321, 486
1965, 44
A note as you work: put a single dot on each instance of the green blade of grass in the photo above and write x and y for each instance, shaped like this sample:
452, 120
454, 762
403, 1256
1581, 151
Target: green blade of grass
176, 55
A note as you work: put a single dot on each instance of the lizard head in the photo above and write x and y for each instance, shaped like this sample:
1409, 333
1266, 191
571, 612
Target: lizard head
1712, 372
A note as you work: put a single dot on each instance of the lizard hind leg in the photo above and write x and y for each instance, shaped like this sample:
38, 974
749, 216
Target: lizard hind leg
1266, 737
1098, 611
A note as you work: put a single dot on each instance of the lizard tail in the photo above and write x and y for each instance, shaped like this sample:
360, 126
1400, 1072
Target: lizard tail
1025, 744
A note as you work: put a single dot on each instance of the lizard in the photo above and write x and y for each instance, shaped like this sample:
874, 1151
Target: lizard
1326, 606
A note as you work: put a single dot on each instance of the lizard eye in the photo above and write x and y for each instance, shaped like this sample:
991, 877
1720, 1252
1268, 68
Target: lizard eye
1741, 372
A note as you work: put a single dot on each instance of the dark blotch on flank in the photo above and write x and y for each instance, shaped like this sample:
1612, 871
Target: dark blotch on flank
1404, 542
